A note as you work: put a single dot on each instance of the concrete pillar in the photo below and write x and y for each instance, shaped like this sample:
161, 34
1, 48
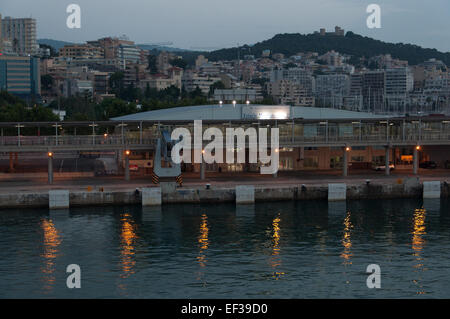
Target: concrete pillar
432, 189
50, 169
345, 164
127, 168
58, 199
337, 192
415, 161
245, 194
151, 196
387, 161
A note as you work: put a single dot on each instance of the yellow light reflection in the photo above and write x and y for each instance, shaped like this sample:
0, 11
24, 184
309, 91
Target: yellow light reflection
276, 236
128, 237
346, 240
418, 242
203, 240
276, 261
52, 240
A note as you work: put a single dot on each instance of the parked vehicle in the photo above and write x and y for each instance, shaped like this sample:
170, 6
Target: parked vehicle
428, 164
382, 167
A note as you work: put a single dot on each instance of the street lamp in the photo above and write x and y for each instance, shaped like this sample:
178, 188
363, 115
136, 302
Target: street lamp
234, 103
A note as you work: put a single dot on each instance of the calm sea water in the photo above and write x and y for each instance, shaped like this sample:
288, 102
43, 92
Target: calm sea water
308, 249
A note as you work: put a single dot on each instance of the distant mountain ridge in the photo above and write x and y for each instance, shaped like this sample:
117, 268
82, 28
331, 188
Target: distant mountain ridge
353, 44
291, 43
57, 44
151, 47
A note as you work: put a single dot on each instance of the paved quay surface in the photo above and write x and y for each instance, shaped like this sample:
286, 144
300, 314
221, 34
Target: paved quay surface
15, 183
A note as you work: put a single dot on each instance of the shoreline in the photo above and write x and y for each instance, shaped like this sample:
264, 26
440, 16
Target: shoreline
405, 188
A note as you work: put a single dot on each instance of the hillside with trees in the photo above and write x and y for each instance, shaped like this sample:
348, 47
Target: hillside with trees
352, 44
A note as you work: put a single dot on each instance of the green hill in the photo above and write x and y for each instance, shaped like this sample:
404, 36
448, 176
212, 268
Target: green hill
353, 44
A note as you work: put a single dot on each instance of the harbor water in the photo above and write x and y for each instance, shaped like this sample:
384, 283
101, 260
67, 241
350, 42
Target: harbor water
303, 249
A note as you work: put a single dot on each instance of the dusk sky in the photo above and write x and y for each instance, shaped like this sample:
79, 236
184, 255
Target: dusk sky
212, 24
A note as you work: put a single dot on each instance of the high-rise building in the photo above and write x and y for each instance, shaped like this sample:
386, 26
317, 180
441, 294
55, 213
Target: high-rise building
331, 89
373, 91
399, 82
129, 53
22, 34
1, 36
20, 76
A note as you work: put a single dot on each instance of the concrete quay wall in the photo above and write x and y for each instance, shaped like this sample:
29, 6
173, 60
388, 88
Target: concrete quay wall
368, 190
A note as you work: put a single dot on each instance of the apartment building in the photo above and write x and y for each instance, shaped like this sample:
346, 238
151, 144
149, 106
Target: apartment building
192, 80
73, 87
22, 34
295, 75
129, 53
288, 93
399, 83
1, 35
373, 91
110, 46
163, 61
331, 89
20, 76
83, 51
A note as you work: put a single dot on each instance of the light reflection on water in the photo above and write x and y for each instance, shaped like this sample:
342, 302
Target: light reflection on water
51, 241
276, 261
418, 243
346, 240
273, 250
128, 238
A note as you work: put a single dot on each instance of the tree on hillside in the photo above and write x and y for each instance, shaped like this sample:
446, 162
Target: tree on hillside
219, 85
116, 83
152, 64
180, 63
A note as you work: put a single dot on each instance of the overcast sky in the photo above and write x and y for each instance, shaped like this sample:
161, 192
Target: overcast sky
212, 24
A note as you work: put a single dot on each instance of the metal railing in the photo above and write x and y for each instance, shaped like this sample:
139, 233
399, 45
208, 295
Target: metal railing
50, 141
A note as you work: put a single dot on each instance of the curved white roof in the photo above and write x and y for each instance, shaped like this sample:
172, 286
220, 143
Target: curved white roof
229, 112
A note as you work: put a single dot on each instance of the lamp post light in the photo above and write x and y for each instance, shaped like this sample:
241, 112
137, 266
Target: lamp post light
202, 166
345, 166
416, 159
50, 167
127, 165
